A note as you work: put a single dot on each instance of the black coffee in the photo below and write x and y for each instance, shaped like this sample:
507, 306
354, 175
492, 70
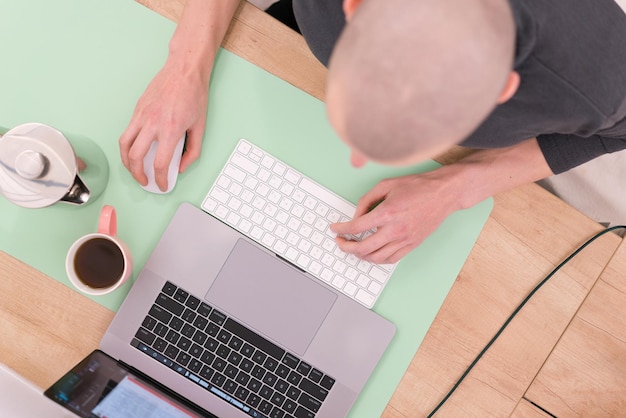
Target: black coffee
99, 263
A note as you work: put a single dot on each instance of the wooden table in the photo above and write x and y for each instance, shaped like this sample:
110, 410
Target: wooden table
565, 353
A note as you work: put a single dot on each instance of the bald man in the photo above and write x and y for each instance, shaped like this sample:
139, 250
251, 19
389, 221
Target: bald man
536, 84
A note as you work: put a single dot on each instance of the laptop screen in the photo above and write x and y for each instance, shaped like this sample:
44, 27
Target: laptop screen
101, 387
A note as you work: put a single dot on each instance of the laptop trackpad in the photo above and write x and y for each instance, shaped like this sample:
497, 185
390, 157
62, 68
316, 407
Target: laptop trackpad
271, 297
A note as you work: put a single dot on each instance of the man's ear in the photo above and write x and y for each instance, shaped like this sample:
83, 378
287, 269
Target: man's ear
511, 86
349, 7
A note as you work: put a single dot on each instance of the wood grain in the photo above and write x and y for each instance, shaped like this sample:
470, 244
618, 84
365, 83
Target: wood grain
527, 410
484, 295
586, 374
46, 326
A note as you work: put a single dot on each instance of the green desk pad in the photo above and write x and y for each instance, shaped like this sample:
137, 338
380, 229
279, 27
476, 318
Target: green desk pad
81, 65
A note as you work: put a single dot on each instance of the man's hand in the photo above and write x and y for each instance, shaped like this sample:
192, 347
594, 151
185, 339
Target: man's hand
407, 210
171, 105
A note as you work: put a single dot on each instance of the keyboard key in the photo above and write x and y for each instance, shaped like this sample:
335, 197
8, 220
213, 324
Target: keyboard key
189, 315
184, 343
292, 176
375, 287
231, 372
259, 356
244, 147
200, 322
207, 357
277, 399
212, 329
161, 314
281, 386
230, 386
327, 382
265, 407
170, 304
242, 378
246, 365
244, 163
270, 379
254, 385
378, 274
169, 289
316, 375
211, 344
266, 392
224, 182
235, 173
327, 275
242, 393
176, 323
303, 413
313, 389
315, 268
195, 366
279, 168
220, 195
304, 368
218, 379
350, 289
366, 298
309, 402
277, 413
160, 330
290, 360
267, 161
144, 335
172, 336
192, 302
171, 352
290, 406
294, 378
217, 317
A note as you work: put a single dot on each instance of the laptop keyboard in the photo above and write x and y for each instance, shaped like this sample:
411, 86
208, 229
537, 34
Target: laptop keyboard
289, 214
228, 359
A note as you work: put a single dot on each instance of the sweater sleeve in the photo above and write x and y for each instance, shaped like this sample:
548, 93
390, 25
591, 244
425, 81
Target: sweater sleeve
563, 151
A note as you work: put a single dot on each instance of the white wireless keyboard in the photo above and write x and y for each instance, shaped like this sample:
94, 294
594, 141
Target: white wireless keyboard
288, 213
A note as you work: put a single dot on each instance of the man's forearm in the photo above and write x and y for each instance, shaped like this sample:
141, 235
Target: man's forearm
199, 34
488, 172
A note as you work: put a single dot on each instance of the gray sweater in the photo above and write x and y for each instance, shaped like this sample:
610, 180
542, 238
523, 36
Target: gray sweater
571, 56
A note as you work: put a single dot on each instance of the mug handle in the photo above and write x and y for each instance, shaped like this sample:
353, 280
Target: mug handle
107, 224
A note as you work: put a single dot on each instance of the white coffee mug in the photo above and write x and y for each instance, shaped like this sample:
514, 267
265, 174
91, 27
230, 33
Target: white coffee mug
99, 263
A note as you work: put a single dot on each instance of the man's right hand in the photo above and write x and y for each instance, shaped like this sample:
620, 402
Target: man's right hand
173, 103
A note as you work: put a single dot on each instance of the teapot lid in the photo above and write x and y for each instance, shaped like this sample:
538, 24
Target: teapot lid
37, 165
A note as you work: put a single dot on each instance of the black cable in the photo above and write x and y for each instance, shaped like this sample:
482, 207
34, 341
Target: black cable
519, 308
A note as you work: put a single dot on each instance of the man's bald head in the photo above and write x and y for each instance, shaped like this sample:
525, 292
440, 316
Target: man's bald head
410, 78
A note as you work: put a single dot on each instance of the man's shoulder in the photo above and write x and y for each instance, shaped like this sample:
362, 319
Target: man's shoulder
581, 43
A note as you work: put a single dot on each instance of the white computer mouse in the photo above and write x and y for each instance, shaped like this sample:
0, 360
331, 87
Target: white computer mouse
172, 174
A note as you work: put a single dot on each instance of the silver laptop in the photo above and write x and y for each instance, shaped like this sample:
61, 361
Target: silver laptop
228, 329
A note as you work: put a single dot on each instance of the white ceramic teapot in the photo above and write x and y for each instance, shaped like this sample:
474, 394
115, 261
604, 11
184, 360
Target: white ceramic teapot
40, 167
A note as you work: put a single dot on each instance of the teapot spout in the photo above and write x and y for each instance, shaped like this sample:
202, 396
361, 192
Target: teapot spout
78, 194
